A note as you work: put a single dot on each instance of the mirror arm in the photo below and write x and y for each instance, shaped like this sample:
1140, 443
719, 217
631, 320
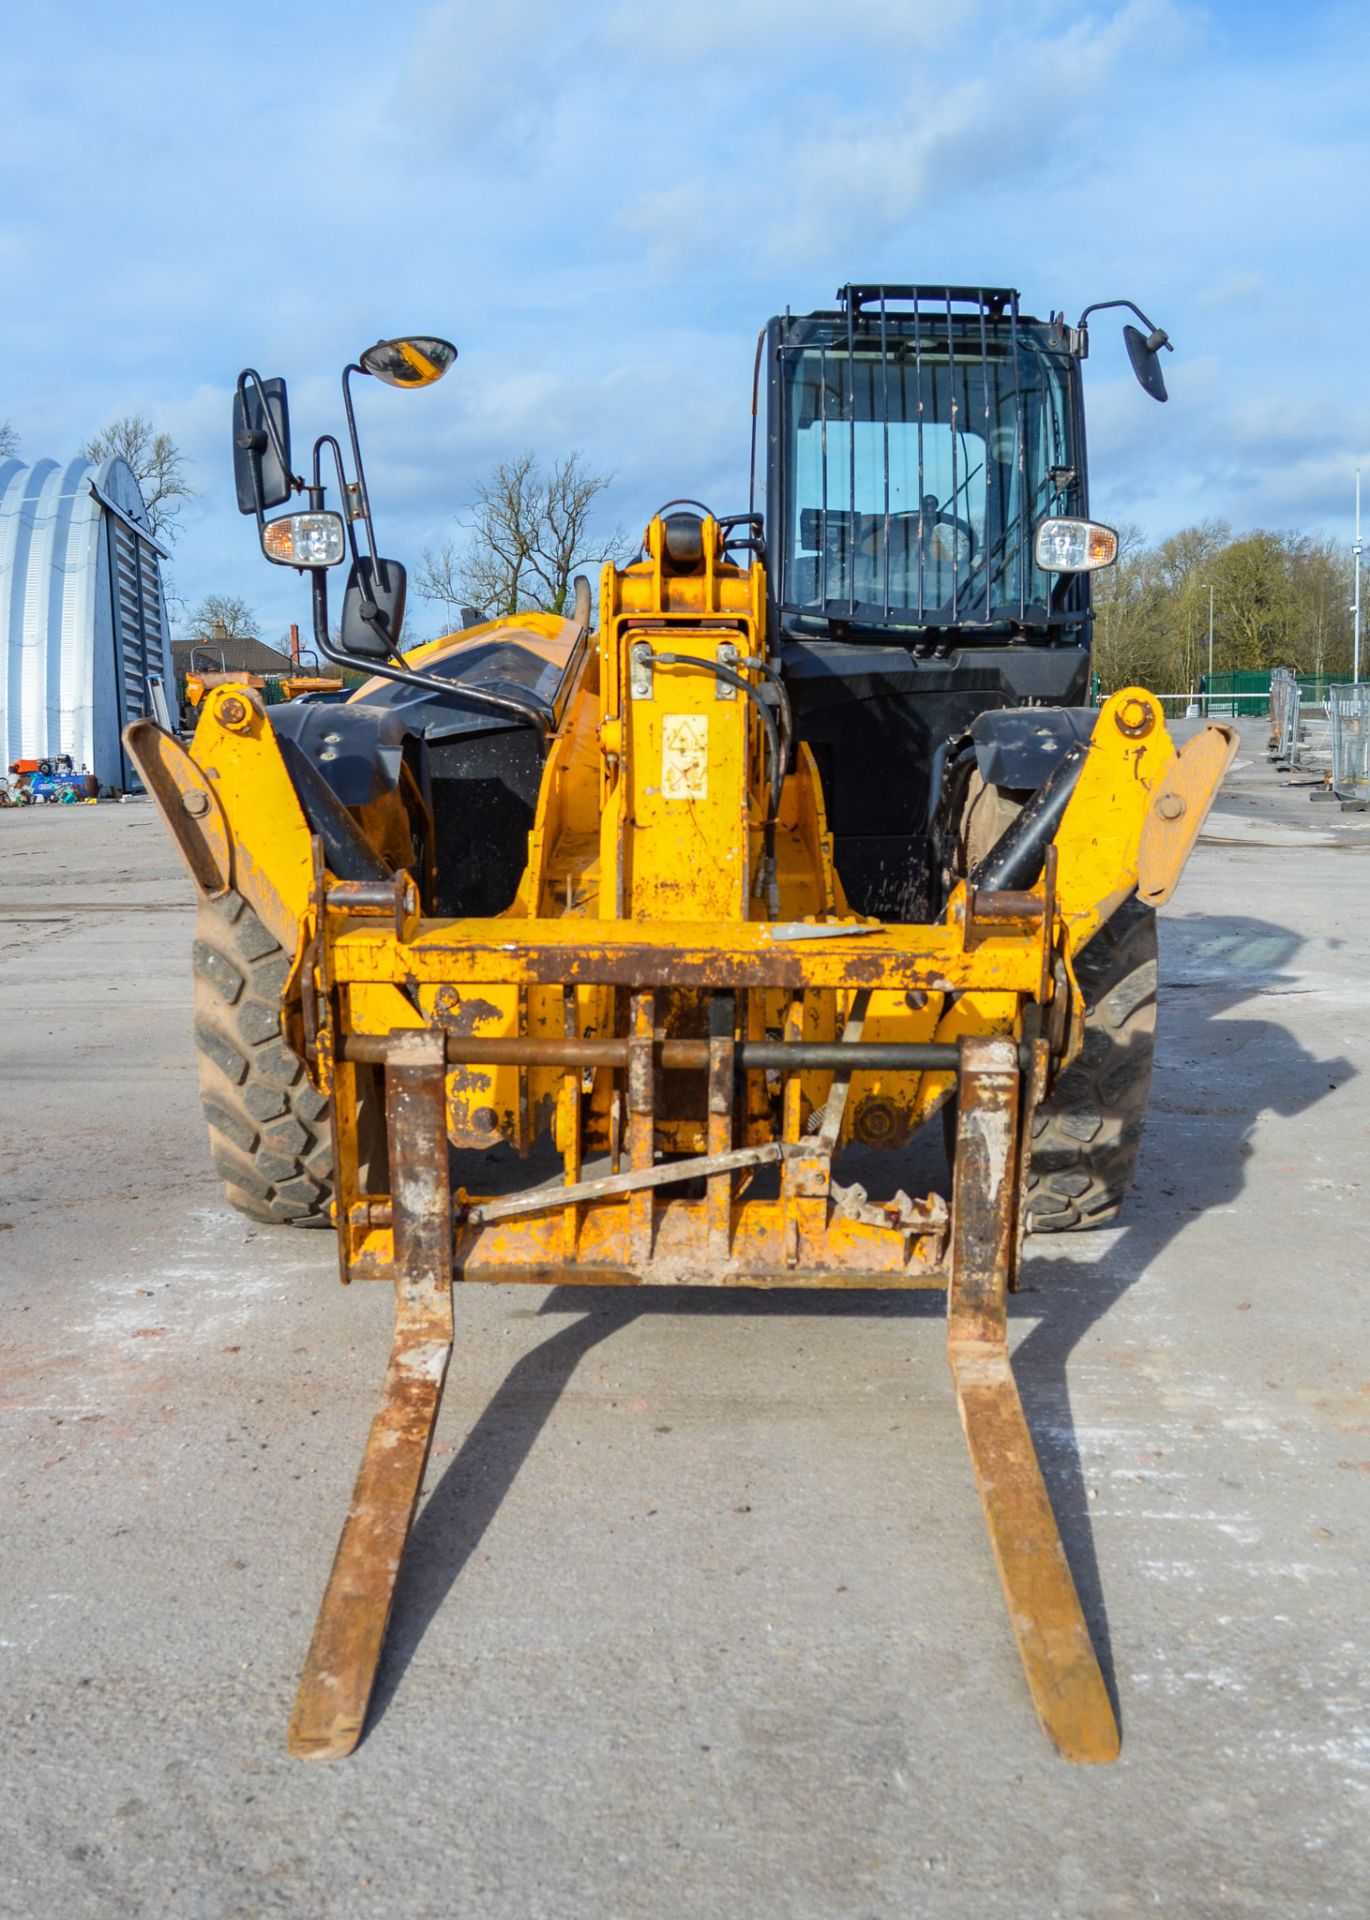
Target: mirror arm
318, 583
531, 713
316, 491
1157, 337
362, 487
525, 710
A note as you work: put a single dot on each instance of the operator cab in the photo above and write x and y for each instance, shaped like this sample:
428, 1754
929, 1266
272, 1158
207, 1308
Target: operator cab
918, 439
929, 558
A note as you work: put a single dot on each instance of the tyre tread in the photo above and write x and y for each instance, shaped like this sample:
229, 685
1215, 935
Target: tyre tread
269, 1130
1087, 1136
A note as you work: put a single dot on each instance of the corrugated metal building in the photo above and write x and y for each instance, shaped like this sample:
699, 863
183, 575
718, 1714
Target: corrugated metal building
82, 615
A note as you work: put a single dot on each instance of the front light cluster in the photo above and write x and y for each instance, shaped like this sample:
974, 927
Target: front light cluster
305, 540
1075, 546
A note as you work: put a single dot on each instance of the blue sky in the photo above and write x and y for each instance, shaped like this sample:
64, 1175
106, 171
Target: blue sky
602, 203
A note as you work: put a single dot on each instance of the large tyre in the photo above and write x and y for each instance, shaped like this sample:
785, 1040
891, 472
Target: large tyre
1086, 1137
268, 1128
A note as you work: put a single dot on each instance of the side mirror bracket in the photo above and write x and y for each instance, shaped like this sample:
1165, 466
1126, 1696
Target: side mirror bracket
1143, 349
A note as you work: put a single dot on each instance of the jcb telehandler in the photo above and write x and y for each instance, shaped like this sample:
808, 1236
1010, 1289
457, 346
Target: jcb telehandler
802, 836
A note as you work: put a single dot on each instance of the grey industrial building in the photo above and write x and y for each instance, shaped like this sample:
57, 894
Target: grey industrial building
82, 613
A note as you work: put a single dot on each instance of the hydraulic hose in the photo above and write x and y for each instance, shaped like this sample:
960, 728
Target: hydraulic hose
782, 697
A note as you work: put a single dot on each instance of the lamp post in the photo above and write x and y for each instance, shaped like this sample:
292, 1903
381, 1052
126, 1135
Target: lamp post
1204, 583
1355, 601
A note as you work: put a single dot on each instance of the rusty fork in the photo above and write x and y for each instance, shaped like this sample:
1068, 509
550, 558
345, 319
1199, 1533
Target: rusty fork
1058, 1656
992, 1141
340, 1671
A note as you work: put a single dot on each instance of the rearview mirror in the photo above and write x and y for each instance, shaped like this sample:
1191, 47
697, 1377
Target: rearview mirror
373, 609
261, 444
1144, 351
416, 361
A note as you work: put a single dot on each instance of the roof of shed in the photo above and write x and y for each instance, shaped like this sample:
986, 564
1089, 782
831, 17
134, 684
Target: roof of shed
240, 656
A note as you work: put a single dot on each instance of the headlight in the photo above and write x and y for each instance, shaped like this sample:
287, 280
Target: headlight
305, 540
1075, 546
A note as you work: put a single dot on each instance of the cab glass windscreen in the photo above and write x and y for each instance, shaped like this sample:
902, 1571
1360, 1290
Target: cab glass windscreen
918, 468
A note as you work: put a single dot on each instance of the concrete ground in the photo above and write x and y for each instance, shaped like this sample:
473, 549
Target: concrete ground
699, 1616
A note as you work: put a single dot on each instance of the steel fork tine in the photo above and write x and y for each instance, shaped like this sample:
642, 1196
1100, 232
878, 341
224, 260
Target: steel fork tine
1058, 1656
340, 1671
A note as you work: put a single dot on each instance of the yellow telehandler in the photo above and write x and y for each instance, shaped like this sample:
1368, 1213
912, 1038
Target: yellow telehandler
800, 837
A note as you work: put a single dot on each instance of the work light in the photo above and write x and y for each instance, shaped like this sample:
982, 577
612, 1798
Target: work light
1075, 546
305, 540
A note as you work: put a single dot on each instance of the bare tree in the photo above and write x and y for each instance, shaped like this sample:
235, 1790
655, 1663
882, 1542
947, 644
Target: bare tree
530, 532
157, 462
174, 601
235, 616
442, 576
9, 439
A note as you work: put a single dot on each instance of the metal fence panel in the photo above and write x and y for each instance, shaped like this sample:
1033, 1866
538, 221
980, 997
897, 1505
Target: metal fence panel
1313, 749
1283, 687
1286, 745
1349, 711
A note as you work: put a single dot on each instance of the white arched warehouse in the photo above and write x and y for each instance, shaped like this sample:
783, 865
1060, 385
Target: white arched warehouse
82, 617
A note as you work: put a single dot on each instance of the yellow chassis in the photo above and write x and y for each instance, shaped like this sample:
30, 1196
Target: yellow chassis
680, 996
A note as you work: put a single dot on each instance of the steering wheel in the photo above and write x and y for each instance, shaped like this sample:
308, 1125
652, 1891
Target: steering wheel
929, 516
944, 541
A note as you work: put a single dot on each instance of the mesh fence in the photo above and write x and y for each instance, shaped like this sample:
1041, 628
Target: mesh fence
1284, 737
1284, 687
1349, 714
1313, 748
1301, 732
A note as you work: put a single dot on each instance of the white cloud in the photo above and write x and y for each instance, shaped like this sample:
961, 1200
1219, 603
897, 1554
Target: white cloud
480, 82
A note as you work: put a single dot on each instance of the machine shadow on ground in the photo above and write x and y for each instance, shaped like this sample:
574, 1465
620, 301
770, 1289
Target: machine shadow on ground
1233, 1071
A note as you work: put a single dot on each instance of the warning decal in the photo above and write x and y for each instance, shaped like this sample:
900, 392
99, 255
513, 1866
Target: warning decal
684, 756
